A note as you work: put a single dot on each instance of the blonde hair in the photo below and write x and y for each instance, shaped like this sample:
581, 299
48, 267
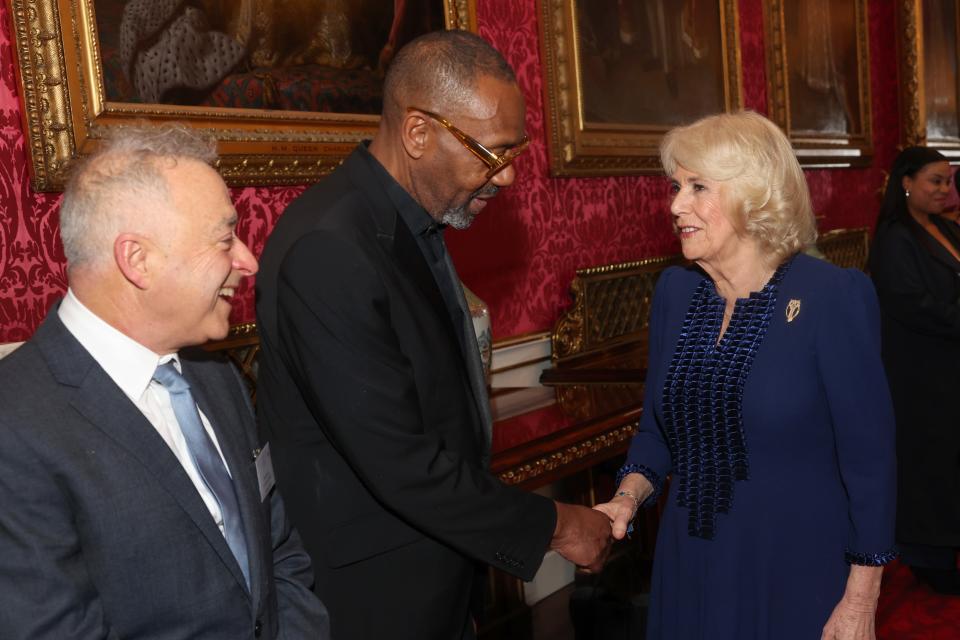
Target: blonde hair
763, 179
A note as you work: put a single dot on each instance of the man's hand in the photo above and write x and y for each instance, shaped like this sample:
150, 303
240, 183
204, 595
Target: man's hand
582, 536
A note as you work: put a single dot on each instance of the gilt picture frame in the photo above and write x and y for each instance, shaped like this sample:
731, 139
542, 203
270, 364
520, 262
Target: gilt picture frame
928, 44
621, 73
69, 103
818, 79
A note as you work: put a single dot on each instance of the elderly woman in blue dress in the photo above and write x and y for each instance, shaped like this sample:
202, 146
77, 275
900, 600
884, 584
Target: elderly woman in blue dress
766, 405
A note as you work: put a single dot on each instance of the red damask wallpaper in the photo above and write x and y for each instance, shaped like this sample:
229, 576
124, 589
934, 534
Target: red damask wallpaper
522, 252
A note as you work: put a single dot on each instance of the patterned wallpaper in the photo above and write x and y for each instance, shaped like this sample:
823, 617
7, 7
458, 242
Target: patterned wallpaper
522, 252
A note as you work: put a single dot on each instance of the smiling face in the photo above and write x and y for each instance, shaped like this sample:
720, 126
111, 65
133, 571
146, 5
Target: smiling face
200, 261
702, 220
929, 188
453, 185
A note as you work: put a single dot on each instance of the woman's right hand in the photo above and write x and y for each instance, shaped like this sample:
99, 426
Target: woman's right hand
623, 508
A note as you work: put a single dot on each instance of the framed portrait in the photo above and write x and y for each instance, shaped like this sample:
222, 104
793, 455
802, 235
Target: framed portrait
818, 79
620, 73
288, 87
929, 54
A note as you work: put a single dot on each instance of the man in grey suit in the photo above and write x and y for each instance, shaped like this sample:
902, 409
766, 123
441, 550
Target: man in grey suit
135, 499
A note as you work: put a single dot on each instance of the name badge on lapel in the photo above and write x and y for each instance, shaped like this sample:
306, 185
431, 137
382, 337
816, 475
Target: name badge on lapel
264, 464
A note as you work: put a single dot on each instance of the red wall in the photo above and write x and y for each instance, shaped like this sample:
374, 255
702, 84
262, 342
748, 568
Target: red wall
522, 252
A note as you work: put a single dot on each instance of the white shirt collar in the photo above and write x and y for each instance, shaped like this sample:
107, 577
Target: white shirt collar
128, 363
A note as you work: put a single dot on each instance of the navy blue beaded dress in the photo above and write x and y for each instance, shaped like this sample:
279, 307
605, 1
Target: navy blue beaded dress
779, 443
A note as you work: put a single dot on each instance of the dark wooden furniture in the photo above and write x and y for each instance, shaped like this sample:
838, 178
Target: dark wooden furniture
599, 355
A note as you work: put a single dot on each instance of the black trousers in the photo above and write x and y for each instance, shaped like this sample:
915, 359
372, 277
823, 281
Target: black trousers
420, 591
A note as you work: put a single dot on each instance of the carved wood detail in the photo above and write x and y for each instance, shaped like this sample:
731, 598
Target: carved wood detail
611, 306
603, 445
847, 248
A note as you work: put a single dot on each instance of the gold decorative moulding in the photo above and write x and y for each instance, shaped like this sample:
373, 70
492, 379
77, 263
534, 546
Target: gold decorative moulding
68, 105
818, 79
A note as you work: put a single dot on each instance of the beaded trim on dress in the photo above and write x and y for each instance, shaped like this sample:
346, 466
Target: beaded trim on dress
703, 395
870, 559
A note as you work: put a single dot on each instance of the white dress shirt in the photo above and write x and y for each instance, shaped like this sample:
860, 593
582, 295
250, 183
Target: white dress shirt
131, 366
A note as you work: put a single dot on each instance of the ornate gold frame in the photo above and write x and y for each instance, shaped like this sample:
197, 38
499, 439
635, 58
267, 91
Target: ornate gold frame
913, 115
580, 148
913, 108
60, 80
826, 150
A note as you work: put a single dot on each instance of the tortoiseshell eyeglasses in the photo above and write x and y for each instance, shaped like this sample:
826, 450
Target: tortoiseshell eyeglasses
495, 163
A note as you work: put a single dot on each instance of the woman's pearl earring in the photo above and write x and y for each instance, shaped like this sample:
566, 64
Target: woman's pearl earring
907, 193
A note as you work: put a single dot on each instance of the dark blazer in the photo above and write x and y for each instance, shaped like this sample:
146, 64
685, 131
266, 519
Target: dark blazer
102, 533
918, 284
364, 393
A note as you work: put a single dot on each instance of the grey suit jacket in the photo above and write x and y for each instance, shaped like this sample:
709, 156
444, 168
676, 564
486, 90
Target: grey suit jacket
102, 533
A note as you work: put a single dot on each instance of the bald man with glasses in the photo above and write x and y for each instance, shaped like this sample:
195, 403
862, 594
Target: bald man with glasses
371, 389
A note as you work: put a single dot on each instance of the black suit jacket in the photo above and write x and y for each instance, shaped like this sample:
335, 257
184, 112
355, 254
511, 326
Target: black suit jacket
102, 533
918, 285
363, 391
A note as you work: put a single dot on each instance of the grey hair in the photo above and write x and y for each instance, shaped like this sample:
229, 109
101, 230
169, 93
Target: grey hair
104, 189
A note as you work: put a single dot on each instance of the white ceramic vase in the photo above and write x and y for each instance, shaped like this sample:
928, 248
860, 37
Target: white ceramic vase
480, 314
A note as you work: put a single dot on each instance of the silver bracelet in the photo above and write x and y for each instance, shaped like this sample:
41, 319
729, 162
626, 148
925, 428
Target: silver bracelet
632, 496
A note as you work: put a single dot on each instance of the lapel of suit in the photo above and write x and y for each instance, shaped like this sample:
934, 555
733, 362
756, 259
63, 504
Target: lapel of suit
398, 240
103, 404
395, 237
411, 262
227, 423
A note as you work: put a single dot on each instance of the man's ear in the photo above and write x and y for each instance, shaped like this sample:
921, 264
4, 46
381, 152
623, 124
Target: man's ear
415, 134
131, 252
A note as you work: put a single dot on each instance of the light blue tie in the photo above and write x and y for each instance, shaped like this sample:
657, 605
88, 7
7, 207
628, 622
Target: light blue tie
207, 461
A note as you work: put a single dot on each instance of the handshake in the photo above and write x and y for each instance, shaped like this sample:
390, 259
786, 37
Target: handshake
583, 535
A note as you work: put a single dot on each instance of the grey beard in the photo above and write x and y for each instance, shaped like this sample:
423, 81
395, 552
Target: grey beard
458, 218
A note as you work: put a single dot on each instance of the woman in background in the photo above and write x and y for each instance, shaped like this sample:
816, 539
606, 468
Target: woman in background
915, 264
766, 402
